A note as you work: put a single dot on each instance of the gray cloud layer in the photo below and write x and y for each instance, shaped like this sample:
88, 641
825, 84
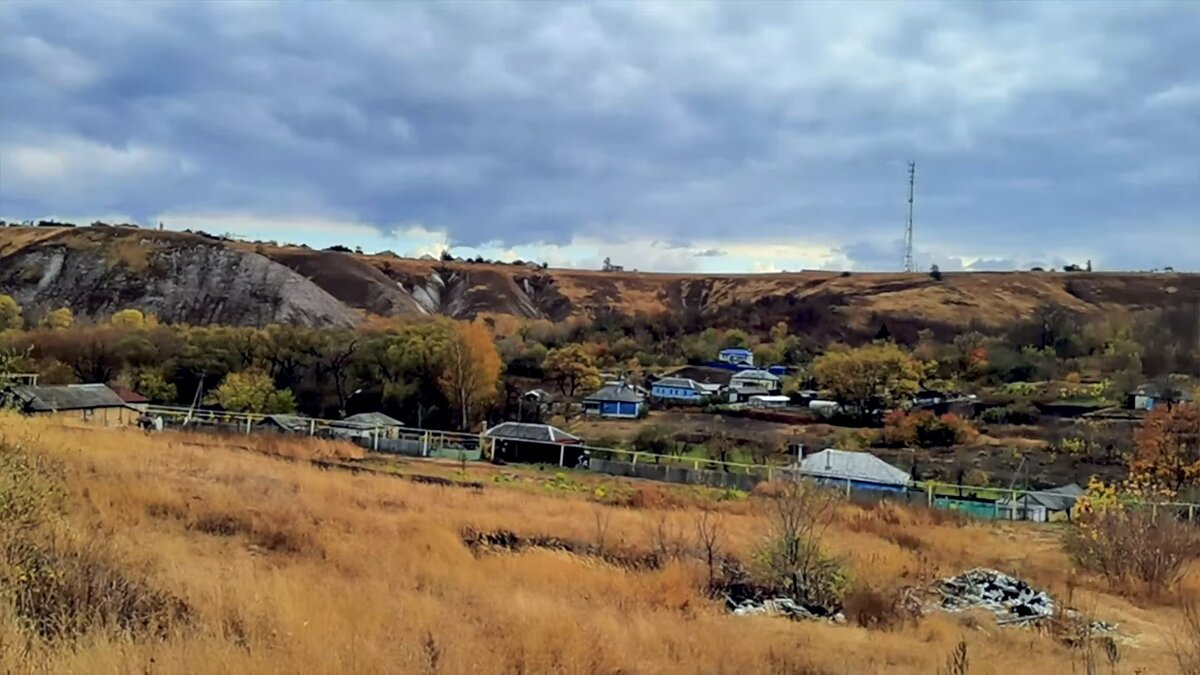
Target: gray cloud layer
1040, 130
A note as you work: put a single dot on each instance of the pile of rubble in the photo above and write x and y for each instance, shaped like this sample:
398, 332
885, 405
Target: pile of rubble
1012, 600
785, 607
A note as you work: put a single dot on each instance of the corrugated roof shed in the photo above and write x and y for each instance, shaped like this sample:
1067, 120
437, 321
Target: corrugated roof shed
538, 433
57, 398
856, 466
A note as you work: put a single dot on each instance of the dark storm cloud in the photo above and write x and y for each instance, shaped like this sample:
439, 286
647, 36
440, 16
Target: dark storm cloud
1041, 131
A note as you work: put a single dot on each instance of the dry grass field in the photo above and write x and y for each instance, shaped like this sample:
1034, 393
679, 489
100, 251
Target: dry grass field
171, 553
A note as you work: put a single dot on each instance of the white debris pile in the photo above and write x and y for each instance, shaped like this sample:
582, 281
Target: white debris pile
1012, 600
786, 607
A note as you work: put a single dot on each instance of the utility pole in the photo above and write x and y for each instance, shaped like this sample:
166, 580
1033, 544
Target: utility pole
909, 265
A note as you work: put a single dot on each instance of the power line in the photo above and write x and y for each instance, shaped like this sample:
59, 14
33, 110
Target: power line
909, 265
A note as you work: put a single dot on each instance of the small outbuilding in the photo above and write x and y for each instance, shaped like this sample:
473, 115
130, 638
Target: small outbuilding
89, 402
1041, 506
534, 444
769, 401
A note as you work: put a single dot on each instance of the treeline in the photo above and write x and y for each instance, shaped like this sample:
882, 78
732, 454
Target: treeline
435, 373
401, 367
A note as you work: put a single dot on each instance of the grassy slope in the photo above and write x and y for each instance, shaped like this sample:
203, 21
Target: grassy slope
288, 568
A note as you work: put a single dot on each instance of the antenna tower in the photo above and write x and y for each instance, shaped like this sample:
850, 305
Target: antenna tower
909, 266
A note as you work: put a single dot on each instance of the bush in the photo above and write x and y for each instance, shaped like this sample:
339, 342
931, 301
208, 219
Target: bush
1014, 413
925, 429
792, 558
1134, 546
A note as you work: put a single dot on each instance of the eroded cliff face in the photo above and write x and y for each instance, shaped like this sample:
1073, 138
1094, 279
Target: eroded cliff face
177, 279
195, 279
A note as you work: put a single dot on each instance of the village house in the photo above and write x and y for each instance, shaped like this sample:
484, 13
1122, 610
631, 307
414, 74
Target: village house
1149, 395
755, 379
860, 470
681, 389
615, 400
89, 402
737, 356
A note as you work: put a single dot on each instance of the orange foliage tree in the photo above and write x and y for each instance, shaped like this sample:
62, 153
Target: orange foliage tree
472, 370
1166, 458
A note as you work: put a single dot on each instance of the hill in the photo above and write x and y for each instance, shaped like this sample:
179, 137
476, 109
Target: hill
215, 558
198, 279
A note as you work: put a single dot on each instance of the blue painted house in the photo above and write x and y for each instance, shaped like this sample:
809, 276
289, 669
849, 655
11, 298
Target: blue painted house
615, 400
680, 389
737, 356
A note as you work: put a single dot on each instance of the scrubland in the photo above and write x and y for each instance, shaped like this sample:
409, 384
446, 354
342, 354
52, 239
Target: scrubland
172, 553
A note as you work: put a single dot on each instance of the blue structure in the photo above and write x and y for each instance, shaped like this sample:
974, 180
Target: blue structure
678, 389
737, 356
615, 400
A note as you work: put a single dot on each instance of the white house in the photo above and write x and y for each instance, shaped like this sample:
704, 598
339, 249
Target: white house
757, 379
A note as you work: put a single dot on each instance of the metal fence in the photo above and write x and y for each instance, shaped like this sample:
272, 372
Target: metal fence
979, 502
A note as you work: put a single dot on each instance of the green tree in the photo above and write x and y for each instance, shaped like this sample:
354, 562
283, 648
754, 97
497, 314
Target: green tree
152, 385
880, 373
10, 314
572, 367
252, 391
59, 319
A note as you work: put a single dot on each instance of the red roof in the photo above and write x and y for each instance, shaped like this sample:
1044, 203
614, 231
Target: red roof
128, 395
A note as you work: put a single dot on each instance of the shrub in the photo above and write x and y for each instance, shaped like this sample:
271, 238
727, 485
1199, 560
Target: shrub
925, 429
1014, 413
875, 608
792, 558
1133, 546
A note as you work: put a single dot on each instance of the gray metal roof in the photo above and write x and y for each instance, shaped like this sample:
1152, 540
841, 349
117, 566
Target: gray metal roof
1055, 499
616, 392
66, 397
755, 374
372, 420
521, 431
288, 422
859, 466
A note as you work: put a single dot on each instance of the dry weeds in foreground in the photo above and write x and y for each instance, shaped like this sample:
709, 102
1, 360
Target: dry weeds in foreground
281, 567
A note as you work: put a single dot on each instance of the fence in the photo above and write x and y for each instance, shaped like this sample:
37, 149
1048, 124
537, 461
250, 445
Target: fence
979, 502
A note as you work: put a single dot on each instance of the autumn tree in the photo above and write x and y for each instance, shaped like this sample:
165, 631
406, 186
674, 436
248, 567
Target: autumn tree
59, 319
472, 370
876, 374
129, 318
572, 367
10, 314
252, 391
1166, 459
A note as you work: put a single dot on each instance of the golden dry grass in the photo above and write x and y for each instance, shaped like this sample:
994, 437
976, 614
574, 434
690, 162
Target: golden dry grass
287, 568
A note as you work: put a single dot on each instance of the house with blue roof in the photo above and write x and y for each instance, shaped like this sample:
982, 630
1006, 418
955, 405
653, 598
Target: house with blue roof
615, 400
738, 356
681, 389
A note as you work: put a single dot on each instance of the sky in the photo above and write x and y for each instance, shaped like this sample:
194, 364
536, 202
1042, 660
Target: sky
677, 136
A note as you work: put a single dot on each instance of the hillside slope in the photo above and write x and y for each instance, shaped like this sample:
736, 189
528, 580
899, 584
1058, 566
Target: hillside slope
185, 277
